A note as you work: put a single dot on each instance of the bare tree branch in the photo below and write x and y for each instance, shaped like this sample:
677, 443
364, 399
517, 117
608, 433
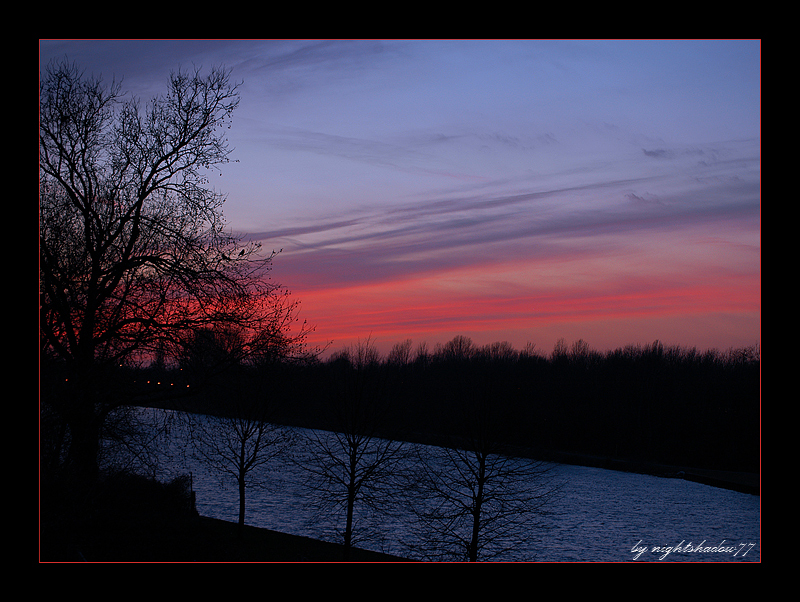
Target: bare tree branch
135, 256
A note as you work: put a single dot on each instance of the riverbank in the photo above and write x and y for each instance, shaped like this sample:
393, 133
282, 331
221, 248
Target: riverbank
134, 519
743, 482
140, 529
211, 540
129, 518
221, 541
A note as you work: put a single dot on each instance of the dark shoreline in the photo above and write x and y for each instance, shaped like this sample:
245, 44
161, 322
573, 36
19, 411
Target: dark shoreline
743, 482
142, 535
273, 546
292, 548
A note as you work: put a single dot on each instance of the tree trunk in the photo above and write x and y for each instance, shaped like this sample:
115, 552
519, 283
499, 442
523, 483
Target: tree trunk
83, 452
476, 511
473, 544
242, 484
351, 502
84, 432
348, 531
241, 502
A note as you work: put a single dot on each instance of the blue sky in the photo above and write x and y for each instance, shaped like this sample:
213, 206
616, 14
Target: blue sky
520, 190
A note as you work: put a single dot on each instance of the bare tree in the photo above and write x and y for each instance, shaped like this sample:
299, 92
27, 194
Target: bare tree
134, 252
478, 497
400, 354
239, 440
354, 470
459, 348
476, 504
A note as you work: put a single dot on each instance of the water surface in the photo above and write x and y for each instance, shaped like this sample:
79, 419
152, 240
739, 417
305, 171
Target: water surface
600, 515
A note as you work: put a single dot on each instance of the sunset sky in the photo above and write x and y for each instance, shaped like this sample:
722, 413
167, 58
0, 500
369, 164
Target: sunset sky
505, 190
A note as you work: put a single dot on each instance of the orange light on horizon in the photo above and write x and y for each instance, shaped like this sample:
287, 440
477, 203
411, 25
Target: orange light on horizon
434, 307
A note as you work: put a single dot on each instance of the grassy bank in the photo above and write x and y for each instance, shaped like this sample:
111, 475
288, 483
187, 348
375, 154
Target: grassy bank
132, 519
205, 540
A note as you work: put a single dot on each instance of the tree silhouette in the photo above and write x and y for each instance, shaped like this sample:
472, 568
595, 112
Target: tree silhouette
477, 497
477, 503
353, 470
400, 354
239, 438
134, 254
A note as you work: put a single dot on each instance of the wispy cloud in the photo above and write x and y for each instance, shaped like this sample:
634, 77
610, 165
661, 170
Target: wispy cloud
433, 186
382, 244
373, 152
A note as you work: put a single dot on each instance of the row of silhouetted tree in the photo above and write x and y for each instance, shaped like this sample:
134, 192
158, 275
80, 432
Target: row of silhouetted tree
649, 403
146, 298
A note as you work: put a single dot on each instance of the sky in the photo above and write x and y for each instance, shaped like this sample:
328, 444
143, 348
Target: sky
505, 190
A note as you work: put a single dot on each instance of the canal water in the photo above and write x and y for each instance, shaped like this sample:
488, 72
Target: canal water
599, 515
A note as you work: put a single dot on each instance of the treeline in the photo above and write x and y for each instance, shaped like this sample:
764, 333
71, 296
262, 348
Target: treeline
644, 403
